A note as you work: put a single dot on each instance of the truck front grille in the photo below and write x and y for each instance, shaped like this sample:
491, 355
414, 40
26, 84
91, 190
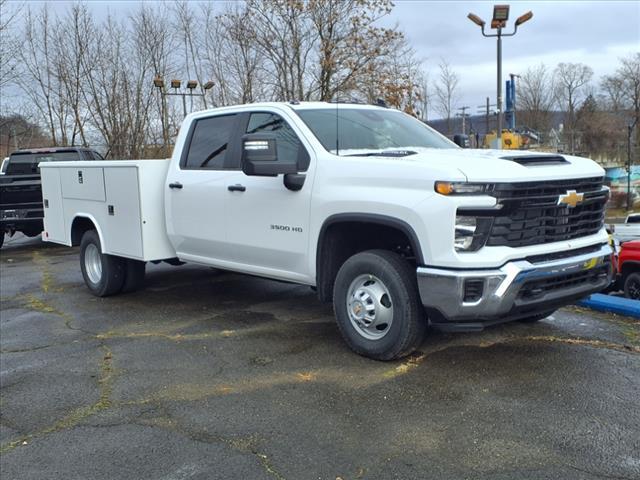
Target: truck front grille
529, 213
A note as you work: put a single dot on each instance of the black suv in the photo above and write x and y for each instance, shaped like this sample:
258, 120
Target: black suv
20, 190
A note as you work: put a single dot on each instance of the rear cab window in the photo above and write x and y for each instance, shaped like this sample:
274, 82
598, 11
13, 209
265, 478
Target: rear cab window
27, 162
210, 143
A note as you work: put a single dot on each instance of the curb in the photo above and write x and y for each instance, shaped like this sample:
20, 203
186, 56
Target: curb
611, 304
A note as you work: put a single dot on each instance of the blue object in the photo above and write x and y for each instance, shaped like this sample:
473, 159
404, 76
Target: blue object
609, 303
510, 114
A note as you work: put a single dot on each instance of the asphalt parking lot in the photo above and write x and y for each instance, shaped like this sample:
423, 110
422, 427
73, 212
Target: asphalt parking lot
212, 375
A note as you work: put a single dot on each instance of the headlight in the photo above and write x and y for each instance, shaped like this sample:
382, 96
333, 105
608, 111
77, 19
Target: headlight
471, 232
463, 188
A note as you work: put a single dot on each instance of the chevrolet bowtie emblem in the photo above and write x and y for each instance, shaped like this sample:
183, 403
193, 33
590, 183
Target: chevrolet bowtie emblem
571, 198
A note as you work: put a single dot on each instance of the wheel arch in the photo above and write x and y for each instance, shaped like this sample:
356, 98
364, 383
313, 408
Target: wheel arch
328, 260
629, 267
81, 223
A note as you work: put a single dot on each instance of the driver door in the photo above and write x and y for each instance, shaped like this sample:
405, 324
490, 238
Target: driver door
268, 224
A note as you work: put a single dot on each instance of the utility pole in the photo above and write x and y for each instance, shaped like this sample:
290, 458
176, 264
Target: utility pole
464, 116
629, 135
486, 110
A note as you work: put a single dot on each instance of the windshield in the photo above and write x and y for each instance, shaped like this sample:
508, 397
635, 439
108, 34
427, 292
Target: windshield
370, 129
27, 162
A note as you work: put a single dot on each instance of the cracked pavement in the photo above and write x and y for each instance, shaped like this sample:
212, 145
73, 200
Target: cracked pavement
207, 375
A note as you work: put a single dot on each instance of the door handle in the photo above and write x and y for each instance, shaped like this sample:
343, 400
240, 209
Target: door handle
236, 188
175, 185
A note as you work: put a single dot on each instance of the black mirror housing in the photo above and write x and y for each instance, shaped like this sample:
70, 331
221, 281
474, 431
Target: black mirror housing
461, 140
260, 156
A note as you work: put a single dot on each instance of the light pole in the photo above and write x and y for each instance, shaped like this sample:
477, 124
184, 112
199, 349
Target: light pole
158, 82
498, 22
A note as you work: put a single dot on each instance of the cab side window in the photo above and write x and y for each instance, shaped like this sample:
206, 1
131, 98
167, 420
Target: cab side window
210, 143
290, 149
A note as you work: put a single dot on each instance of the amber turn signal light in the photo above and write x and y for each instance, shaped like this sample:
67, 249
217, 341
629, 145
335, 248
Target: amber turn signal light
444, 188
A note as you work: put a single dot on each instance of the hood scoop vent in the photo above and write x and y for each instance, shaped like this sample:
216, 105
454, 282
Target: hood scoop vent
535, 160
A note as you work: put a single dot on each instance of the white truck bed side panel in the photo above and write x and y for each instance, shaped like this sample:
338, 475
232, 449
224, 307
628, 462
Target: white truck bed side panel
122, 227
124, 199
54, 224
152, 177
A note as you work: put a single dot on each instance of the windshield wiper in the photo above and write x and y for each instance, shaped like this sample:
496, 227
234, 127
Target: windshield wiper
385, 153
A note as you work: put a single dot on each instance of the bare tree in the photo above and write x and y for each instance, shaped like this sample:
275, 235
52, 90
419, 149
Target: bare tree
349, 42
629, 76
71, 43
9, 43
37, 59
157, 42
230, 56
570, 81
612, 87
535, 97
91, 79
602, 131
282, 33
446, 92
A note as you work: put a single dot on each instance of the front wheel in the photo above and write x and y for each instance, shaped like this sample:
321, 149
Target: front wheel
632, 286
103, 274
377, 305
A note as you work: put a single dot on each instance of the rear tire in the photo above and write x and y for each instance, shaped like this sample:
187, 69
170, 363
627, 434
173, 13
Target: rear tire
133, 276
377, 305
535, 318
632, 286
103, 274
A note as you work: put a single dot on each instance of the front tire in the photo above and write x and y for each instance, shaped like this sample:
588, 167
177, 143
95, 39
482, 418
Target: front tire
632, 286
377, 305
103, 274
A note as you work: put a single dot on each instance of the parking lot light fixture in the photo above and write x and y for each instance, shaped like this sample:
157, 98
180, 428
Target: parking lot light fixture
208, 85
158, 82
500, 16
175, 84
524, 18
476, 19
498, 22
191, 84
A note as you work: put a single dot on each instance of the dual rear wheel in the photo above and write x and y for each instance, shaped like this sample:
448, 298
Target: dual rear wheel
107, 274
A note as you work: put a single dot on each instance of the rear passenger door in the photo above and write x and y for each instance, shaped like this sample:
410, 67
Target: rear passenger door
196, 189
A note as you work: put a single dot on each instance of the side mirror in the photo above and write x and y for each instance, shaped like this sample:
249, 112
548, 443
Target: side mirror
260, 156
461, 140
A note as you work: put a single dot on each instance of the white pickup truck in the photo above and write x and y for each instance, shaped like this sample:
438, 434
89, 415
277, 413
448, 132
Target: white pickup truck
627, 231
390, 221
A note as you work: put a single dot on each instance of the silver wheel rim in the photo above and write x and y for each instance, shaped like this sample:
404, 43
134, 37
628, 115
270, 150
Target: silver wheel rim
369, 307
93, 263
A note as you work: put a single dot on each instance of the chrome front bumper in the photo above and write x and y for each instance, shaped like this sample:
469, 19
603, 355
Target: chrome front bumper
515, 290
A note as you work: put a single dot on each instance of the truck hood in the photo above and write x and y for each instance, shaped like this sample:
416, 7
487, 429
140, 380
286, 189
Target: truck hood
506, 165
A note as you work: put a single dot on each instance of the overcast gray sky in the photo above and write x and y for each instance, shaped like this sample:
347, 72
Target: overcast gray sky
596, 33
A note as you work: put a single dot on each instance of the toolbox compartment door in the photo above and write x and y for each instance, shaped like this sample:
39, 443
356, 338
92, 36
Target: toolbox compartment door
82, 183
122, 223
